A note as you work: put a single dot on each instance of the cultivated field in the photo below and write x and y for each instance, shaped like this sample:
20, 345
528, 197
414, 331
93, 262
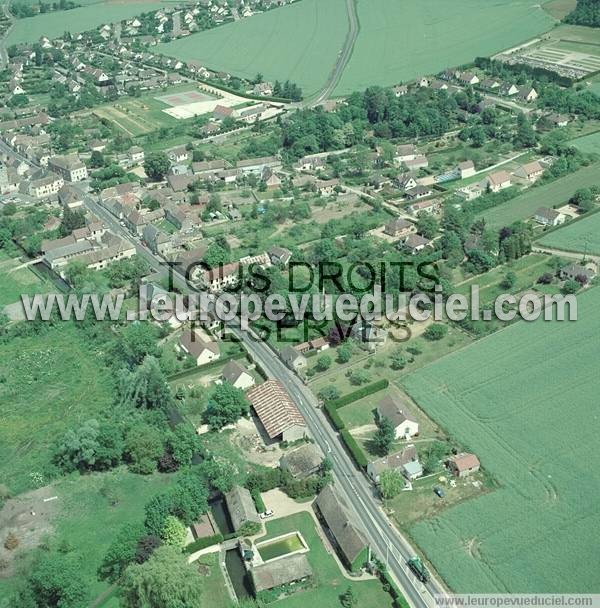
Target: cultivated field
48, 383
588, 143
582, 236
54, 24
559, 8
523, 400
548, 195
299, 42
399, 41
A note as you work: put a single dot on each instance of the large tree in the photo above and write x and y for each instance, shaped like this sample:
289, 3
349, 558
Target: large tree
166, 580
226, 405
144, 446
55, 582
121, 552
384, 436
156, 165
391, 483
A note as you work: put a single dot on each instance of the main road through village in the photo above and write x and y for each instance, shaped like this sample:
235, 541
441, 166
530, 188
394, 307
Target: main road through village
385, 541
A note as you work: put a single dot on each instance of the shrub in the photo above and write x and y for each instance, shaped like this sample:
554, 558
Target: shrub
329, 393
354, 449
435, 332
11, 542
249, 528
258, 501
202, 543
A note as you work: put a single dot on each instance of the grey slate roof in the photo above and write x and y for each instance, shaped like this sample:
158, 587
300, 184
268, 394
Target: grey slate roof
280, 571
334, 511
240, 506
302, 461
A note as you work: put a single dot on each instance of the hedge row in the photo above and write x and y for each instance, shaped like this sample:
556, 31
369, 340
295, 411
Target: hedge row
392, 589
202, 368
354, 448
337, 422
369, 389
202, 543
258, 501
331, 408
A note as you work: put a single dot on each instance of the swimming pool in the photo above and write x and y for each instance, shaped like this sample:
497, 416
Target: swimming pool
280, 546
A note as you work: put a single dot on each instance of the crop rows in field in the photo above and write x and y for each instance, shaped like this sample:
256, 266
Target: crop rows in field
588, 143
581, 237
524, 400
298, 42
81, 19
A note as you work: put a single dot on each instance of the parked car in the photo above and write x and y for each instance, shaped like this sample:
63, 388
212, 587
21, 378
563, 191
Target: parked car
438, 492
267, 513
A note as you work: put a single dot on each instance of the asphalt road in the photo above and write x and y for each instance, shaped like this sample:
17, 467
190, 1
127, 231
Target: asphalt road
385, 541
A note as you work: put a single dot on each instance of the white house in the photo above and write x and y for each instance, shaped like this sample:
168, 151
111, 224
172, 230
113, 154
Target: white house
497, 181
549, 217
201, 351
404, 423
530, 171
235, 374
466, 169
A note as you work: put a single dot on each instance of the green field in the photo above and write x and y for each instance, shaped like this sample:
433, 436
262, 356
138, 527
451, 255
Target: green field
399, 41
82, 19
298, 42
524, 400
548, 195
582, 236
19, 282
589, 144
48, 383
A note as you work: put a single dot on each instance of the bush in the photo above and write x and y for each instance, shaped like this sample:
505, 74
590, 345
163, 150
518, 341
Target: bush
264, 481
258, 501
202, 543
11, 542
436, 331
354, 449
329, 393
249, 528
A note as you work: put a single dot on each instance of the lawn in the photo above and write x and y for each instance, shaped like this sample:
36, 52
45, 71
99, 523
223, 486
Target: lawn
399, 41
581, 236
213, 588
330, 582
48, 383
588, 143
19, 282
54, 24
527, 270
298, 42
95, 507
523, 401
548, 195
